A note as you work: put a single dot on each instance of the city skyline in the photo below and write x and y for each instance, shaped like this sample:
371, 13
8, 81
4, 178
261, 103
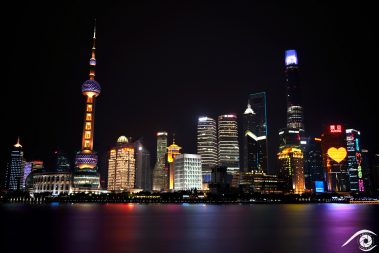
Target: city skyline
151, 114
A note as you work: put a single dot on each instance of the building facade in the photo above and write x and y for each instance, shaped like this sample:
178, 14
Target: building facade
207, 145
188, 174
55, 183
295, 117
313, 164
291, 169
172, 151
160, 172
121, 166
334, 154
354, 160
143, 167
228, 147
15, 168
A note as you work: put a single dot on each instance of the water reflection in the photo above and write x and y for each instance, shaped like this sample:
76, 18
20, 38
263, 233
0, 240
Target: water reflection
185, 228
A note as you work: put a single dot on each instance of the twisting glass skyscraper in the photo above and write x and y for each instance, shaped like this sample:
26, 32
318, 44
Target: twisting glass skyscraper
207, 145
228, 148
86, 177
295, 118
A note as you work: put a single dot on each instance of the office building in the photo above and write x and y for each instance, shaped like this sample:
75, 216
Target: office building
255, 134
207, 145
188, 174
313, 164
121, 166
334, 154
291, 169
144, 171
15, 168
228, 147
172, 151
160, 172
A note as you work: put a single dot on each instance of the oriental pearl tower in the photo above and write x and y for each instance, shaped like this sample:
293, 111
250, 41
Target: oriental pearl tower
86, 177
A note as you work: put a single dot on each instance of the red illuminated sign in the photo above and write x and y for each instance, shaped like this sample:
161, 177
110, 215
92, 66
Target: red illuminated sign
335, 129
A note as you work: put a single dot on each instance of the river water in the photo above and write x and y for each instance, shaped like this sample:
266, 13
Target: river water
202, 228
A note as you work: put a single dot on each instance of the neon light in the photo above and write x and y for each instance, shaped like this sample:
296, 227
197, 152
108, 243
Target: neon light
319, 186
303, 142
357, 144
361, 186
337, 155
291, 57
335, 128
317, 139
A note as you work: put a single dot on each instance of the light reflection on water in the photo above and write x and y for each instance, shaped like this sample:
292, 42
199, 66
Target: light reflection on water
185, 227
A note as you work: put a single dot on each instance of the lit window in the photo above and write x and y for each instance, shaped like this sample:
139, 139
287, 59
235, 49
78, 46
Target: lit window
87, 135
88, 126
89, 117
89, 99
89, 108
86, 144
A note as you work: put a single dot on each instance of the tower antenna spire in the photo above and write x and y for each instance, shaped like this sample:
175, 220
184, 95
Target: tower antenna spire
92, 61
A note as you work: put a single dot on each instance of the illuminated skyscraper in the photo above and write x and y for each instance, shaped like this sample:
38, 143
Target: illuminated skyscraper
86, 177
207, 145
313, 164
255, 134
143, 167
354, 160
228, 148
173, 151
291, 169
121, 166
27, 170
188, 173
160, 172
15, 168
335, 158
295, 118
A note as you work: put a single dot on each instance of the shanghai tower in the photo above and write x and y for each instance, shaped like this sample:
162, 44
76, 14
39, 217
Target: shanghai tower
295, 118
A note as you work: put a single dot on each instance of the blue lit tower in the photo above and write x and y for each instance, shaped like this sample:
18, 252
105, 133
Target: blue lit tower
295, 118
86, 177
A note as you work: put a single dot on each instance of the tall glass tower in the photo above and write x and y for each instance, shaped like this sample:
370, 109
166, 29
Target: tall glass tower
255, 134
86, 177
15, 168
160, 172
228, 148
207, 145
295, 118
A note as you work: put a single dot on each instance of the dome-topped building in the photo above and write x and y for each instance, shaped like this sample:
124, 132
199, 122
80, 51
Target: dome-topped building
122, 139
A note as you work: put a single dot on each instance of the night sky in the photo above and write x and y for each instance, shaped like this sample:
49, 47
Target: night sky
163, 65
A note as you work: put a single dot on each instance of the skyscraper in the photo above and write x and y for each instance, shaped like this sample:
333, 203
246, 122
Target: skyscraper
255, 134
295, 118
27, 170
313, 164
334, 157
173, 151
121, 166
291, 169
354, 160
366, 172
86, 177
207, 145
188, 173
15, 168
143, 167
160, 175
228, 148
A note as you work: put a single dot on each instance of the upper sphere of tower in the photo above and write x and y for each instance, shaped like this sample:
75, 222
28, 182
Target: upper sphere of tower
91, 86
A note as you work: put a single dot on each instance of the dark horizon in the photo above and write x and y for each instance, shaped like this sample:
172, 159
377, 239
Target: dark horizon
161, 66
